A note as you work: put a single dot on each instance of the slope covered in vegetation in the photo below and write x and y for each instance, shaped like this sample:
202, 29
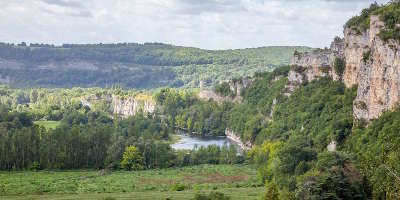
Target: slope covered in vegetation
132, 65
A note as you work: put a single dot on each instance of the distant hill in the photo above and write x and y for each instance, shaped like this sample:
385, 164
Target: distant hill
132, 65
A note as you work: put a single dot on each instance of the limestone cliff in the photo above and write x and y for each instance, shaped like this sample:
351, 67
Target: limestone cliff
309, 66
378, 74
236, 86
370, 63
122, 106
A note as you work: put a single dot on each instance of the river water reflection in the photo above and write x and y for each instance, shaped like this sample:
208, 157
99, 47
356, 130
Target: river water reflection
189, 142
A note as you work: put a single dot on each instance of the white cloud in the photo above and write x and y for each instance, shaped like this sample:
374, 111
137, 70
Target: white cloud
211, 24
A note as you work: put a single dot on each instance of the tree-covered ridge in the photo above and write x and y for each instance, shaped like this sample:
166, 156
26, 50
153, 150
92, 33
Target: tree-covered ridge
132, 65
153, 54
377, 148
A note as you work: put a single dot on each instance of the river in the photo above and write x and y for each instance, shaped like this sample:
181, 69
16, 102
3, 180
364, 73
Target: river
189, 142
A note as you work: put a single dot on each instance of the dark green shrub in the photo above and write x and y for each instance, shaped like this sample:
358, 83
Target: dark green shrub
178, 187
211, 196
366, 56
339, 66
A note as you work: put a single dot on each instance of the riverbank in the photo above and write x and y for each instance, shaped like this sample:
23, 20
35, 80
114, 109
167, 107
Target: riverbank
236, 139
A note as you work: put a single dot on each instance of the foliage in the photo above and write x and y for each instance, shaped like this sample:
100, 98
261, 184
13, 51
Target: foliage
339, 65
362, 21
131, 159
272, 192
388, 13
376, 148
178, 187
239, 181
224, 89
211, 196
191, 115
366, 56
132, 65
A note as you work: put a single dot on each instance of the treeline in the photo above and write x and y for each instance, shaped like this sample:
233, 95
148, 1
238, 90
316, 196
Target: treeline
154, 54
184, 111
131, 65
136, 77
54, 104
94, 140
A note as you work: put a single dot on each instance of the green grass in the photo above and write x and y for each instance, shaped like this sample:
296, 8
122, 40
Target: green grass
48, 124
234, 193
237, 181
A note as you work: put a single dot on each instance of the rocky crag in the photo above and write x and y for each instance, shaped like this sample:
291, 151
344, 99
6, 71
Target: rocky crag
369, 62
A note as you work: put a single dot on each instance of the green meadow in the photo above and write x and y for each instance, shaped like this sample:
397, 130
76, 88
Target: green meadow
236, 181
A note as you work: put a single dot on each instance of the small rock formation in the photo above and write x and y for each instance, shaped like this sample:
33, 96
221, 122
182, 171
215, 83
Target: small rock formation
371, 63
237, 86
332, 146
236, 139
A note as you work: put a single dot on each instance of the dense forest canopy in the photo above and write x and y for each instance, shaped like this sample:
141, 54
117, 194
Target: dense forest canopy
132, 65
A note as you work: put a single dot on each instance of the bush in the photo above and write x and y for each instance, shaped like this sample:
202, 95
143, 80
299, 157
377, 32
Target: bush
178, 187
366, 56
211, 196
132, 160
339, 66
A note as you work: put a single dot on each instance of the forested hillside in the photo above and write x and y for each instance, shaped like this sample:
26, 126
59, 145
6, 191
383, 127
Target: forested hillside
132, 65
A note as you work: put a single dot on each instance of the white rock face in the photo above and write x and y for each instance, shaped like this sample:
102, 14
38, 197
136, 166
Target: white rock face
332, 146
372, 64
378, 77
313, 65
235, 86
123, 107
233, 136
131, 106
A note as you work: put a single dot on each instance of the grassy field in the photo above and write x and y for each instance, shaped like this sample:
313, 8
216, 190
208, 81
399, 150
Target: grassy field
236, 181
48, 124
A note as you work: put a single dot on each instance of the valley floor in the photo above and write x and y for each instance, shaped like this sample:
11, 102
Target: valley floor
236, 181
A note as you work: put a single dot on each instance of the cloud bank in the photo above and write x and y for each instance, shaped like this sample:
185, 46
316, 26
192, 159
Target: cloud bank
210, 24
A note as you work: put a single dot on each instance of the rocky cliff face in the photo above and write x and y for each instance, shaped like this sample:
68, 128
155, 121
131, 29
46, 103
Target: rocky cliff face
378, 74
236, 86
371, 63
121, 106
236, 139
131, 105
309, 66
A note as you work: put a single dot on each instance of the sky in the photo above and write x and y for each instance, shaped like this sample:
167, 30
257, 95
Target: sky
208, 24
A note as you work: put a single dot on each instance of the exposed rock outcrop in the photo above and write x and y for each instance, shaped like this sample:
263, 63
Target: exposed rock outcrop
122, 106
378, 74
236, 139
236, 86
309, 66
371, 63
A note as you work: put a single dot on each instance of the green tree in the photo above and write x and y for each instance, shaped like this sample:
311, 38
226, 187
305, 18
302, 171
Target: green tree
132, 160
272, 192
